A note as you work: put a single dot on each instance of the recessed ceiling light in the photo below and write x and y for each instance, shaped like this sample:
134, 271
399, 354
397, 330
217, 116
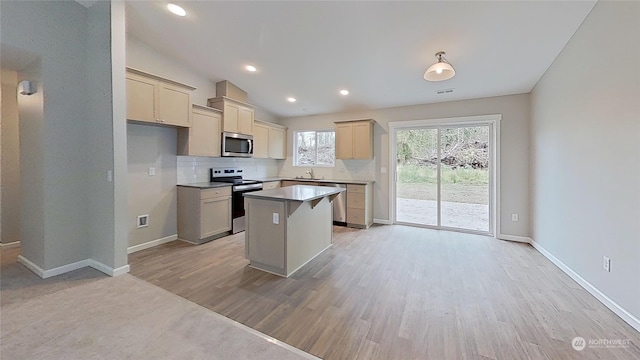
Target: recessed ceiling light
291, 99
250, 68
176, 9
344, 92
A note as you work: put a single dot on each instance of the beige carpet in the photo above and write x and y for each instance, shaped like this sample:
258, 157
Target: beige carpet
87, 315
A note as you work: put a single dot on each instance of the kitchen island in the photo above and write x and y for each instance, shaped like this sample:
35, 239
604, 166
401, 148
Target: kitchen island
288, 227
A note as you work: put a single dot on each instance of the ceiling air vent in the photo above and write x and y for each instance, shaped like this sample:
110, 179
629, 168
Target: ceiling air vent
444, 91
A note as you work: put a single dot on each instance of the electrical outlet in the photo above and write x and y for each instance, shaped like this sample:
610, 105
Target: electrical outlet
276, 218
606, 263
515, 217
143, 221
109, 175
152, 171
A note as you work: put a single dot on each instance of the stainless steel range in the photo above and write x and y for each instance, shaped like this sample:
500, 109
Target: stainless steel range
240, 187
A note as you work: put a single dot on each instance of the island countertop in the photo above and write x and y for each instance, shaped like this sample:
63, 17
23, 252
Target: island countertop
294, 193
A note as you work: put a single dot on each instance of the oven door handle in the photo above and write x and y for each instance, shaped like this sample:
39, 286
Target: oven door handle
237, 188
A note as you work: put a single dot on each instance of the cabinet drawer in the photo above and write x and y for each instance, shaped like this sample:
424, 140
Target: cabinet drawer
270, 185
353, 188
215, 192
355, 200
355, 216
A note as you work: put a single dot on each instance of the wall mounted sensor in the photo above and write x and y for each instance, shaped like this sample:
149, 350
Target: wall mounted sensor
26, 87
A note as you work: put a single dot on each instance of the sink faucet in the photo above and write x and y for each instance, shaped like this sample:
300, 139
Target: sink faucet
310, 173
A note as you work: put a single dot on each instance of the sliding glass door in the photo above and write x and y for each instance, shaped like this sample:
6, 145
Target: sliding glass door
443, 177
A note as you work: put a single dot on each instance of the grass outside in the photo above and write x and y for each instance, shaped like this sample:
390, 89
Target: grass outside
458, 185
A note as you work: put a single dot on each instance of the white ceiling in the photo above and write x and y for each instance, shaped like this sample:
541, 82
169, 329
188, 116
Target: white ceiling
378, 50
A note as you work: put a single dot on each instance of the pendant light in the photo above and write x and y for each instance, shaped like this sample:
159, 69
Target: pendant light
441, 70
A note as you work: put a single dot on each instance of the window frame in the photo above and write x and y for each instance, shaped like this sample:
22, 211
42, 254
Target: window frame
316, 131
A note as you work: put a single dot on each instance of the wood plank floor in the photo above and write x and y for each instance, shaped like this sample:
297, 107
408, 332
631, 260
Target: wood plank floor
396, 292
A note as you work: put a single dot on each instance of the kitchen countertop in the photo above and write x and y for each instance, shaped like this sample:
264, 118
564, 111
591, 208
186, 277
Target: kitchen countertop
206, 185
294, 193
331, 181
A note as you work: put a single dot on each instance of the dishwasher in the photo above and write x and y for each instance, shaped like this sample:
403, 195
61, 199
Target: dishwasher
339, 204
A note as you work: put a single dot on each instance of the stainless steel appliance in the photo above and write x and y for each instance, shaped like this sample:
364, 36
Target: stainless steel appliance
240, 186
339, 204
238, 145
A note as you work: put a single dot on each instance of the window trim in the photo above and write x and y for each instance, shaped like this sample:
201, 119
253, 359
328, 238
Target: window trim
295, 148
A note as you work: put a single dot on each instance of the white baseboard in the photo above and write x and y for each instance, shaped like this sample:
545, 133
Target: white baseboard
52, 272
604, 299
382, 222
108, 269
516, 238
71, 267
13, 244
152, 243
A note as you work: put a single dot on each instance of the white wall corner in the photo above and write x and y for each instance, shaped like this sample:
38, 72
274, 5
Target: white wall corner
152, 243
516, 238
604, 299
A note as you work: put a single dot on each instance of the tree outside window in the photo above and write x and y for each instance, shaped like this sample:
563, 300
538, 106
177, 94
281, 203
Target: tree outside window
314, 148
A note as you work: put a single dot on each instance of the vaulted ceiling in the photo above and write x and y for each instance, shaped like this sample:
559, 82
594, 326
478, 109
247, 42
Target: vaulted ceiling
378, 50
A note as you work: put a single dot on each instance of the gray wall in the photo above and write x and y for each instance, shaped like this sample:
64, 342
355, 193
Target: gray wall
65, 190
585, 158
10, 164
514, 181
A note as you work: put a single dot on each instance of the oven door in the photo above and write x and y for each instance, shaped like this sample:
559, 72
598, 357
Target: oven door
238, 145
237, 206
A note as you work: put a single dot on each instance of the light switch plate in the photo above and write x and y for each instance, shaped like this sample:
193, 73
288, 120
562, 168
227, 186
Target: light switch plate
276, 218
152, 170
515, 217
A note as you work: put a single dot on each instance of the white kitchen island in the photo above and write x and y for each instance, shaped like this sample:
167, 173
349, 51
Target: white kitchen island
287, 227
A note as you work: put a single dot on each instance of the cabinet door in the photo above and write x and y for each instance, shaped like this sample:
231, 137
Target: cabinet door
270, 185
260, 141
174, 105
344, 141
205, 134
215, 216
230, 117
141, 98
277, 144
245, 120
362, 141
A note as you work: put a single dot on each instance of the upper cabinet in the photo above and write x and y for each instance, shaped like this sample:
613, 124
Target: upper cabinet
354, 139
237, 116
269, 140
204, 136
157, 100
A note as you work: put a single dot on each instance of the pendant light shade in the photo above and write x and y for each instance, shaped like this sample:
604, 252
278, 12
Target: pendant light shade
441, 70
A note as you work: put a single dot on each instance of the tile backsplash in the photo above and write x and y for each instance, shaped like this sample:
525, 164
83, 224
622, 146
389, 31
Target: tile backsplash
193, 169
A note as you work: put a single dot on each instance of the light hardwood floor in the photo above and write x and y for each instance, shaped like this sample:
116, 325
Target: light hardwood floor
397, 292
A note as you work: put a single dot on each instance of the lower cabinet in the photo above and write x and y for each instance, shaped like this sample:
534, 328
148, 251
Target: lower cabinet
359, 205
267, 185
203, 214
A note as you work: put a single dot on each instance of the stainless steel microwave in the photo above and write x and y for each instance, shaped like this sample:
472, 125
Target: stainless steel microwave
239, 145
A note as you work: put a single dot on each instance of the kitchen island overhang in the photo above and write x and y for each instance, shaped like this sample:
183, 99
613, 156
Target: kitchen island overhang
288, 227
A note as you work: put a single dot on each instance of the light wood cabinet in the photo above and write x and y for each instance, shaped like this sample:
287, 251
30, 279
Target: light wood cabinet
359, 205
294, 182
354, 139
269, 140
268, 185
204, 136
260, 141
203, 214
237, 116
157, 100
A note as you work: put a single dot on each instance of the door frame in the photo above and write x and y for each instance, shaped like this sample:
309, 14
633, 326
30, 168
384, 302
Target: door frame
494, 163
